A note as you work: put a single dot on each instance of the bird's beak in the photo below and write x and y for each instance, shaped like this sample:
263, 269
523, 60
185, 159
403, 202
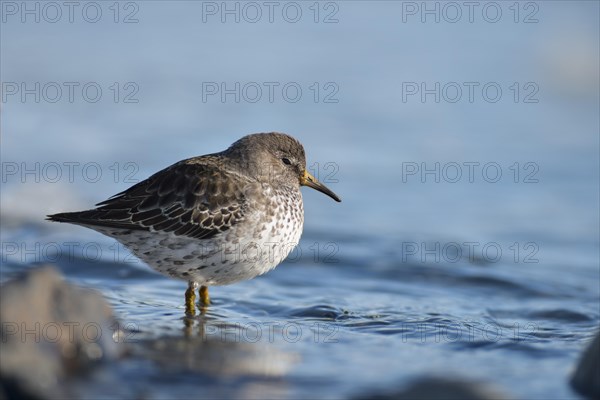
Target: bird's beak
307, 179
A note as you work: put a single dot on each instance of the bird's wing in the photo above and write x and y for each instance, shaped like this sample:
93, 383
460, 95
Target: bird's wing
191, 198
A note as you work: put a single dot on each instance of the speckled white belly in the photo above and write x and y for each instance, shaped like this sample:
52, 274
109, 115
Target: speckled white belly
250, 248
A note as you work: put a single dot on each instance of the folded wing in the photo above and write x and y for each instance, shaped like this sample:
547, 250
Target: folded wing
193, 198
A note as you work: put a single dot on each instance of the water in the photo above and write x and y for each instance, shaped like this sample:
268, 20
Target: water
411, 275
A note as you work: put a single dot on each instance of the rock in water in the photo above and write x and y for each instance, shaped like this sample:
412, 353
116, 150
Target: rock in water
51, 330
586, 379
434, 388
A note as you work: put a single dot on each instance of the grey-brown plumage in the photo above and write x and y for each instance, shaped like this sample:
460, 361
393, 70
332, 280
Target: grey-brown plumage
197, 219
192, 198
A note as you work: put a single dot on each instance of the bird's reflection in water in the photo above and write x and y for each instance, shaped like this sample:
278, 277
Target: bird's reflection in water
211, 352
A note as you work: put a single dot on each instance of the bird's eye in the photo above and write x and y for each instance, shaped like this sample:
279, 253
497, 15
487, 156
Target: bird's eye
286, 161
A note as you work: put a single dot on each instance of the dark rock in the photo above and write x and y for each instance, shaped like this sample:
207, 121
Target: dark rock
51, 330
441, 389
586, 379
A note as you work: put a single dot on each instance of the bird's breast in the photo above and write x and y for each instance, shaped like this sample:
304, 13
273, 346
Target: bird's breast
276, 225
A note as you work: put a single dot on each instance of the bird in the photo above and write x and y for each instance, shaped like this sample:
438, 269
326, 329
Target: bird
215, 219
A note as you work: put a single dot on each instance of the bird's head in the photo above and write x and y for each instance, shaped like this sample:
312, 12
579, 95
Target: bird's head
276, 158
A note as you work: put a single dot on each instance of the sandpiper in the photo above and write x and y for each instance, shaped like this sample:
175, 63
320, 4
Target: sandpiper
215, 219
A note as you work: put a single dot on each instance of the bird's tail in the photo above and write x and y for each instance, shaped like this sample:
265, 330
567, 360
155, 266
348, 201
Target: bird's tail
71, 217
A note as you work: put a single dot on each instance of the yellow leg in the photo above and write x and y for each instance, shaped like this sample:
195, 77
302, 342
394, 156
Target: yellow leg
190, 299
204, 299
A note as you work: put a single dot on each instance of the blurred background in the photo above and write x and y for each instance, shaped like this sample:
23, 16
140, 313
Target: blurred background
444, 127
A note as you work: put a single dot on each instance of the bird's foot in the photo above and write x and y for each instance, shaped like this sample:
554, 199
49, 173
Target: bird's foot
190, 299
204, 298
